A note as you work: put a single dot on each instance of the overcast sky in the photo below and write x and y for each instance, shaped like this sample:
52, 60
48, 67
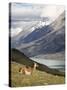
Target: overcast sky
20, 11
26, 11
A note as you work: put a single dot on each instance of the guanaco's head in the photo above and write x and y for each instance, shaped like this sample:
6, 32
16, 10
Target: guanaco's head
35, 65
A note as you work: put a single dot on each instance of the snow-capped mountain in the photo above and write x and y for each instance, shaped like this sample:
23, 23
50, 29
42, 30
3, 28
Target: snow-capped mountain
37, 24
43, 39
18, 34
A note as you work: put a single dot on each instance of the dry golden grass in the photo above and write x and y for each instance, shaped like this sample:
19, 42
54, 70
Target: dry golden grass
38, 78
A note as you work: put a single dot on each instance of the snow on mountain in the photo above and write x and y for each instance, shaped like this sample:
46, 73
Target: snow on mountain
18, 34
44, 40
38, 38
40, 24
25, 27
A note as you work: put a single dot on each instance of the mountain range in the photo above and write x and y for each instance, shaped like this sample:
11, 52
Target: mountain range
47, 39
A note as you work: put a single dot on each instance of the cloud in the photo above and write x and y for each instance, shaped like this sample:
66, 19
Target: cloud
20, 11
52, 11
15, 31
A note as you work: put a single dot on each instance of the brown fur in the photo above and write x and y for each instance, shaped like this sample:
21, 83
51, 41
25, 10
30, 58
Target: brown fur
27, 69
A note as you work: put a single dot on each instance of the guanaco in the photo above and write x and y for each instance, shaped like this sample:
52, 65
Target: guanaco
27, 70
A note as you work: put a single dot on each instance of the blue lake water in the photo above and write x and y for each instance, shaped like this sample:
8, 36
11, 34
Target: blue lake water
56, 64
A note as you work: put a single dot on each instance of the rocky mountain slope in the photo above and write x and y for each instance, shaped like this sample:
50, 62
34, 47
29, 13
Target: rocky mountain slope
45, 40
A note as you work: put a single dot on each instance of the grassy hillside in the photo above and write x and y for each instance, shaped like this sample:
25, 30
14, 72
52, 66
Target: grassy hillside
43, 75
19, 57
36, 79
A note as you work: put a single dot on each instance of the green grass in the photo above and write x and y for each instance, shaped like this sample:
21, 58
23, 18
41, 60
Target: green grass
36, 79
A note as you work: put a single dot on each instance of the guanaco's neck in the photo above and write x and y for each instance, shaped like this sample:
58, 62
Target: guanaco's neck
35, 65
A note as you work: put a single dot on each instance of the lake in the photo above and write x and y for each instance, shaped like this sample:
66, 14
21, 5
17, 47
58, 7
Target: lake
56, 64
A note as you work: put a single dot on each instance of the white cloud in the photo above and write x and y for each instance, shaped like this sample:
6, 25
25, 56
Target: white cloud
52, 11
21, 12
33, 11
15, 31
